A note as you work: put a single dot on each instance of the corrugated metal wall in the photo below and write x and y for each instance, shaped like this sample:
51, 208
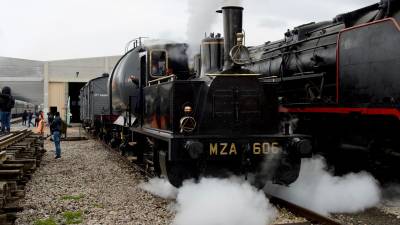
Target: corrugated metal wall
29, 91
32, 81
88, 68
25, 77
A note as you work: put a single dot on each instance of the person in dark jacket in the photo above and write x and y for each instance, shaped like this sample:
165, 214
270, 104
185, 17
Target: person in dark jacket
30, 115
55, 128
37, 119
24, 117
6, 105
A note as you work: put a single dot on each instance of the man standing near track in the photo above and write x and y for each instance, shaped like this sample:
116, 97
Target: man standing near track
55, 128
24, 117
30, 115
5, 108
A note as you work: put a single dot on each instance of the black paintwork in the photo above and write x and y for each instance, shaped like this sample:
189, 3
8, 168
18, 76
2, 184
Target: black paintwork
152, 91
369, 65
304, 66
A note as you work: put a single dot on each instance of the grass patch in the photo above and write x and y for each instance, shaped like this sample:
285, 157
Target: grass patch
49, 221
73, 217
73, 197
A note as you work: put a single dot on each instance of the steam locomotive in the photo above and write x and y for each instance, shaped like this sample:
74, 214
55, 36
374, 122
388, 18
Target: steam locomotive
186, 126
340, 80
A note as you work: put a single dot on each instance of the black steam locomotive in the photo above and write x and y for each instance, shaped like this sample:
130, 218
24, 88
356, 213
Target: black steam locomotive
340, 78
214, 124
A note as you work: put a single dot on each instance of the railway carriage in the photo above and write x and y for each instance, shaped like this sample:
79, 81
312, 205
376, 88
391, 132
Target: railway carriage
94, 102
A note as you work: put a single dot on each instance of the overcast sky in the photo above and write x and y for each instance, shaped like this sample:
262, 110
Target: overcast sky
62, 29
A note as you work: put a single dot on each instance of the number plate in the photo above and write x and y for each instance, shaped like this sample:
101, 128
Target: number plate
231, 149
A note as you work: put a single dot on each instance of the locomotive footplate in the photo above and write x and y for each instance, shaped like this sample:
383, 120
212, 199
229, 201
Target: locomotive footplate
266, 157
270, 157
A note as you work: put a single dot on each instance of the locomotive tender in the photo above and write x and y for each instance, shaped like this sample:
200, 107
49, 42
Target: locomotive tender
340, 78
215, 124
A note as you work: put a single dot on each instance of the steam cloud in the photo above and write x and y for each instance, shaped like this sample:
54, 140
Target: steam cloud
217, 202
320, 191
391, 195
234, 201
201, 18
160, 187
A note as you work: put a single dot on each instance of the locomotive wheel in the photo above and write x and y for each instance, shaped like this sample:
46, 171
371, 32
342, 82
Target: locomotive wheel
179, 172
175, 172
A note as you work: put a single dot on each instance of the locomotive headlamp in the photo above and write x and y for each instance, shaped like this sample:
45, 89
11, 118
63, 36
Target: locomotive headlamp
188, 109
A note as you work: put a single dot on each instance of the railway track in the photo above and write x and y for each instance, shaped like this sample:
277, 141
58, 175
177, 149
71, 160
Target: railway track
16, 120
20, 154
312, 217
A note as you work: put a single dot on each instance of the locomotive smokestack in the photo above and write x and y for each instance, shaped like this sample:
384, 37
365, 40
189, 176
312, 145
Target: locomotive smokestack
233, 20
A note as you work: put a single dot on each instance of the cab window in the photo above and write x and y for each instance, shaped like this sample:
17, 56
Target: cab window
158, 63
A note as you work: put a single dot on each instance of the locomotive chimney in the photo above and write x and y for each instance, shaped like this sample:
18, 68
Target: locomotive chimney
233, 20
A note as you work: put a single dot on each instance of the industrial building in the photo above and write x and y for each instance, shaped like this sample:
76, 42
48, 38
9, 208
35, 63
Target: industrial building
49, 84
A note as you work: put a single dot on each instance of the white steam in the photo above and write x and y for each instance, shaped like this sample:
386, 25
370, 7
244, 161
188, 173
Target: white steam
320, 191
215, 201
202, 16
222, 202
160, 187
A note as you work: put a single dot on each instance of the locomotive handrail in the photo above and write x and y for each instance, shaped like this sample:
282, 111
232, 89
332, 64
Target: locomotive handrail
293, 44
232, 74
158, 81
136, 43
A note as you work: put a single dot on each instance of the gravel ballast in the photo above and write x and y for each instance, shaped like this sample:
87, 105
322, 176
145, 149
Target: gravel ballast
99, 187
94, 182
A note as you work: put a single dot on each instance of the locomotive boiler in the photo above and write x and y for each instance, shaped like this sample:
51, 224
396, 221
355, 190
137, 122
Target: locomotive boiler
341, 79
219, 123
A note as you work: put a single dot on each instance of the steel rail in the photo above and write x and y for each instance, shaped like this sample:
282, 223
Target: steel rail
311, 216
303, 212
13, 138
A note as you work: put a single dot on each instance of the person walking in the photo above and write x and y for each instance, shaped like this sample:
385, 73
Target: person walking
55, 128
24, 117
5, 109
37, 119
41, 123
30, 115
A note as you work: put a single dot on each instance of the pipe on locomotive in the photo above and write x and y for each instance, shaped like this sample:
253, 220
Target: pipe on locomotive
233, 22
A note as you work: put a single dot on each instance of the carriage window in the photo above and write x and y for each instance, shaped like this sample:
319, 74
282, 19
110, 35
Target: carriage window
158, 63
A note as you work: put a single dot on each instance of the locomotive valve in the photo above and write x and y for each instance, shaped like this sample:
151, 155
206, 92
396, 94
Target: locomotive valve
239, 38
303, 146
